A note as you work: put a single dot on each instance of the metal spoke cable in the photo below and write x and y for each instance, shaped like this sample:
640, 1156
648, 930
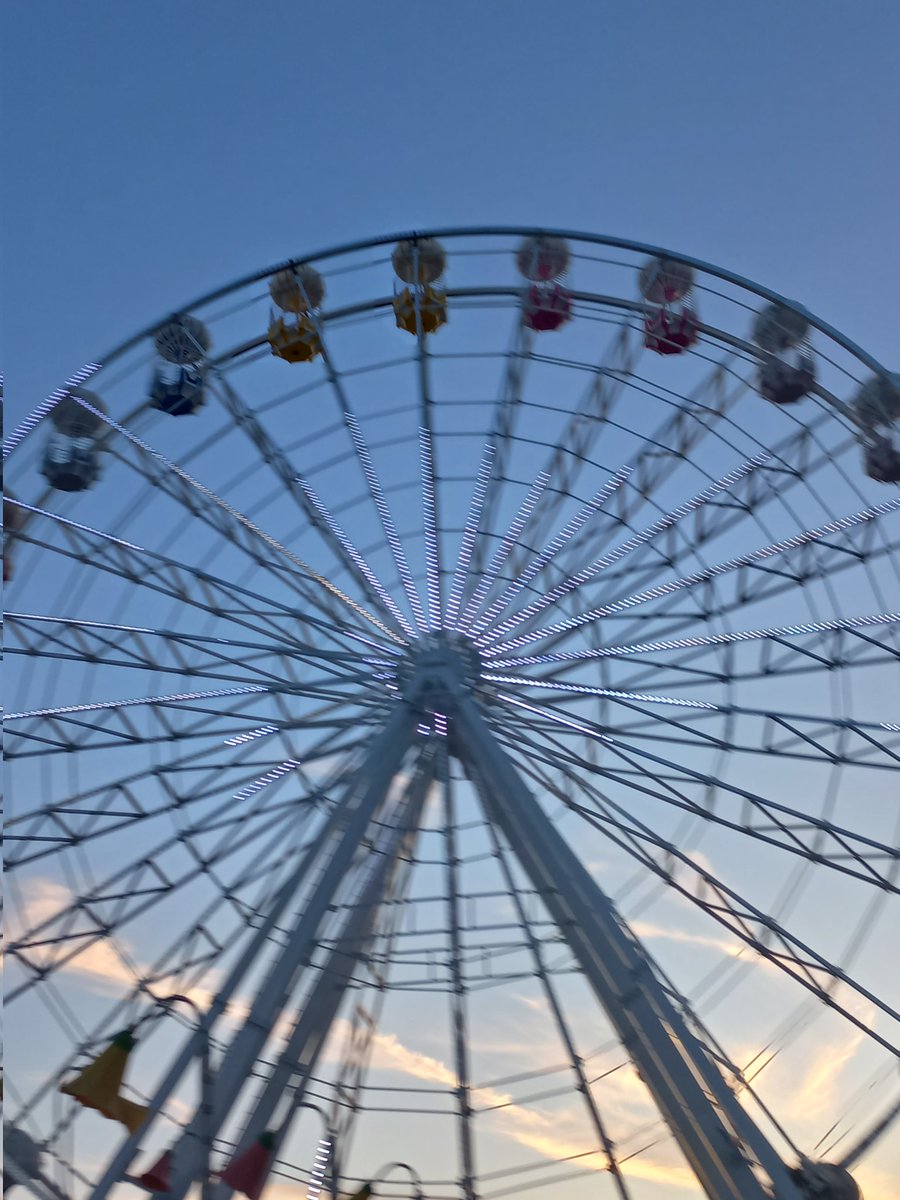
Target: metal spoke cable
239, 517
802, 970
586, 574
310, 504
776, 814
546, 556
763, 554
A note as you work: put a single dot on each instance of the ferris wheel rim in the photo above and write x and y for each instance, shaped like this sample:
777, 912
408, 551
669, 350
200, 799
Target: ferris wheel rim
342, 248
420, 580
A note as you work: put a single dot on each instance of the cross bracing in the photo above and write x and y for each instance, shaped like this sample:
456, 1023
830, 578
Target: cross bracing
658, 606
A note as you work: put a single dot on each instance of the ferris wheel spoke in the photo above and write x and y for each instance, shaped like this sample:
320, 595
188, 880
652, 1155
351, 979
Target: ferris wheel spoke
192, 586
752, 586
540, 561
663, 453
469, 534
232, 525
852, 741
774, 823
736, 913
315, 511
575, 582
150, 878
781, 635
170, 651
72, 727
740, 494
586, 423
126, 801
503, 421
373, 482
566, 461
383, 599
752, 492
502, 552
116, 728
428, 473
776, 558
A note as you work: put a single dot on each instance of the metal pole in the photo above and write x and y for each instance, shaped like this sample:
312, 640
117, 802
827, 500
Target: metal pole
204, 1129
205, 1122
349, 817
299, 1057
718, 1139
374, 779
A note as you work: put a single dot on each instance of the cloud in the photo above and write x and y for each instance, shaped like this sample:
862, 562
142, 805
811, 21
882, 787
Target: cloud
645, 929
814, 1095
875, 1183
534, 1130
107, 967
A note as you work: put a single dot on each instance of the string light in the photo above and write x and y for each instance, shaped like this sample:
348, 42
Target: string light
573, 582
175, 698
370, 576
470, 531
502, 552
429, 514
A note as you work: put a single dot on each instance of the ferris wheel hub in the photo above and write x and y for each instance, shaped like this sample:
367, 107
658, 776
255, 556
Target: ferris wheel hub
437, 670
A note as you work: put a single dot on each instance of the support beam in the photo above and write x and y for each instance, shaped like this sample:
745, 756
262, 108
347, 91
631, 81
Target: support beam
718, 1139
362, 800
283, 1093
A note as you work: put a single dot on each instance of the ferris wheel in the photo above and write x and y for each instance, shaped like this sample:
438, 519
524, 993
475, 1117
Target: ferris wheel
454, 741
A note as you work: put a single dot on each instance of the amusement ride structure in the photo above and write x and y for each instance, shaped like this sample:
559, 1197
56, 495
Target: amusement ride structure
454, 717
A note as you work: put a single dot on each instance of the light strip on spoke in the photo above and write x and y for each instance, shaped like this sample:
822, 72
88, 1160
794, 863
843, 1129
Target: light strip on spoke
553, 547
712, 639
240, 518
47, 406
630, 544
470, 531
666, 589
175, 698
502, 552
429, 513
355, 555
610, 693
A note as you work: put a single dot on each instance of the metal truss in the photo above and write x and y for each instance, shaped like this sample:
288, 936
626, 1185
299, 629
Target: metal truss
482, 728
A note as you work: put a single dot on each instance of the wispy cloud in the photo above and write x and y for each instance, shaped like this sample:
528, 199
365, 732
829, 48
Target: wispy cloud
650, 932
106, 967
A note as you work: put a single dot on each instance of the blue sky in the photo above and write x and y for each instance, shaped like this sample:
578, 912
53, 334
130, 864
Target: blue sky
153, 152
160, 150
